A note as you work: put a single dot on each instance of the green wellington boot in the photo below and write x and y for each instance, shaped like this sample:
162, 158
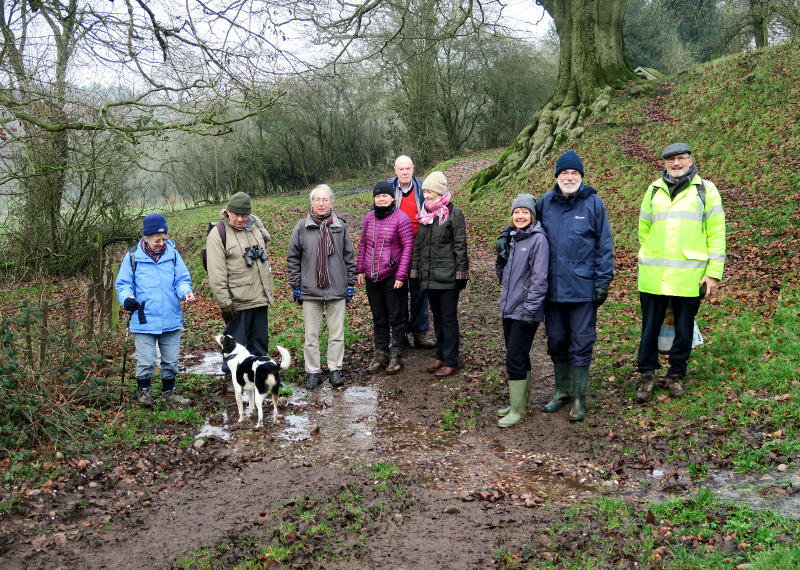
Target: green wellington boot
563, 384
580, 377
516, 392
504, 411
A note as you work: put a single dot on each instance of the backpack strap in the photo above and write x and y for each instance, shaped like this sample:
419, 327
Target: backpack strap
132, 257
223, 232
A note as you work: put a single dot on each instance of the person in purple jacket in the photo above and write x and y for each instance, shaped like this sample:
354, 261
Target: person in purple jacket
521, 267
384, 258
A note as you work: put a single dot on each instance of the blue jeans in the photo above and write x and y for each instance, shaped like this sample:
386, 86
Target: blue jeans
418, 322
169, 344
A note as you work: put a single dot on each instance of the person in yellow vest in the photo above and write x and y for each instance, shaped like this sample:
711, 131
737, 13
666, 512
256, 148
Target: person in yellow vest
681, 259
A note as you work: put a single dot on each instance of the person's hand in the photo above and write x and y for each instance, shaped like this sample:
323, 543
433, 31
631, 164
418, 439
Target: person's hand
228, 314
351, 291
710, 284
600, 295
189, 297
130, 304
527, 319
360, 279
461, 284
296, 296
398, 284
413, 283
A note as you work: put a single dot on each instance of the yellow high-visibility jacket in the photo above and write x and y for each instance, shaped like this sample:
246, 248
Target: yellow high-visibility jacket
680, 240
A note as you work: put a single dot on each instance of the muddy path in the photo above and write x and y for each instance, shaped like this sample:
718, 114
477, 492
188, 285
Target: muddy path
464, 489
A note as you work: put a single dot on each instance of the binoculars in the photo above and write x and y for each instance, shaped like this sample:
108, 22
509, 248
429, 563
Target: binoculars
252, 253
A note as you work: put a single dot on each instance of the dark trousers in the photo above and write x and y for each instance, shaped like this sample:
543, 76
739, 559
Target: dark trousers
250, 328
389, 307
519, 338
418, 322
570, 332
654, 308
444, 305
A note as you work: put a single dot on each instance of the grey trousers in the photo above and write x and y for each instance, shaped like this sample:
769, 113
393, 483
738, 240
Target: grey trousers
312, 321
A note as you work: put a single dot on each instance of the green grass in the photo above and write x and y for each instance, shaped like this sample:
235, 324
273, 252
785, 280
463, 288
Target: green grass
140, 426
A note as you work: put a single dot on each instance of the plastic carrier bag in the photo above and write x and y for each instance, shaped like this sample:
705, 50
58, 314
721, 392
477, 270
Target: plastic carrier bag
666, 336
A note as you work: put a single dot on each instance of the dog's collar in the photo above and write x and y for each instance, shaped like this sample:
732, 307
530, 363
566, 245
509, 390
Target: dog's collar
227, 358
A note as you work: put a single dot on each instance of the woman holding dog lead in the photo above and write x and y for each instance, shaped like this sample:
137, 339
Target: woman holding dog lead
152, 282
523, 256
440, 265
384, 257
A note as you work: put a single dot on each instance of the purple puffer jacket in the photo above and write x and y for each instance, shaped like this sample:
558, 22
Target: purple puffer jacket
391, 238
524, 281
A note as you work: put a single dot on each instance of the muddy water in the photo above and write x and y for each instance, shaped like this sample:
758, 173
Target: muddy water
351, 427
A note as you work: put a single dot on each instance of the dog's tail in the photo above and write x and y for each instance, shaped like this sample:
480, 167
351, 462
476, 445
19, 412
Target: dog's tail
286, 358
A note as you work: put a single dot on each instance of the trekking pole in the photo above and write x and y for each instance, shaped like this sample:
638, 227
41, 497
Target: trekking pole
124, 358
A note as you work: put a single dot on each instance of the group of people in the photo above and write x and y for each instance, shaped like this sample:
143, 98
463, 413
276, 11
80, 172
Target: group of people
555, 263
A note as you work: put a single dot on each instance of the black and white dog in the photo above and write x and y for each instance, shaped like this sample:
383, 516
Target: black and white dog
254, 374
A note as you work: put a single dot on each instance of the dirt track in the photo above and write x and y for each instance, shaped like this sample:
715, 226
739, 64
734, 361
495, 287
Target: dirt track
461, 497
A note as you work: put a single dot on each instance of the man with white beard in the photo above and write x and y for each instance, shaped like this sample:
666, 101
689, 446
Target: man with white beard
580, 272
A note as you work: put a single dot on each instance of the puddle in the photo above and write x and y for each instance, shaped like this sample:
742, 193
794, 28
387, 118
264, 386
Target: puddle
220, 432
346, 414
775, 491
211, 364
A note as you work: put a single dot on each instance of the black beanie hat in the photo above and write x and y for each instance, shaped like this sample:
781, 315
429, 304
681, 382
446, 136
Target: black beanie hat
383, 187
569, 161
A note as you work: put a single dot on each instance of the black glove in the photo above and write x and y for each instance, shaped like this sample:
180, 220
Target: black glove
413, 283
527, 319
461, 284
296, 295
130, 304
228, 314
600, 295
142, 318
503, 246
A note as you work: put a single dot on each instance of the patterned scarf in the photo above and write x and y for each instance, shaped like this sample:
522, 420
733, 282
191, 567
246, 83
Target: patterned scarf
152, 253
438, 208
325, 247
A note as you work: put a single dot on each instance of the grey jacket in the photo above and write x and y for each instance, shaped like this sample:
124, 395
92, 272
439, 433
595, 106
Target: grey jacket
301, 260
524, 277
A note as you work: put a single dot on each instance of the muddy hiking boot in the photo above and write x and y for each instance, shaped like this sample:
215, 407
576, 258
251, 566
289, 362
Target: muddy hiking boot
313, 379
580, 377
173, 397
379, 361
337, 381
647, 382
516, 392
504, 411
145, 397
421, 340
563, 372
395, 361
674, 385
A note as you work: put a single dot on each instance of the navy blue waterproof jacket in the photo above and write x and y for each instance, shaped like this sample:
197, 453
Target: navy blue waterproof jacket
581, 248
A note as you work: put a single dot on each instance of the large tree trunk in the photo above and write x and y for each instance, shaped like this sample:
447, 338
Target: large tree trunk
759, 22
591, 64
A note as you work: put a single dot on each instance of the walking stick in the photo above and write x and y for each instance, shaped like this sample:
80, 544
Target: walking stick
124, 358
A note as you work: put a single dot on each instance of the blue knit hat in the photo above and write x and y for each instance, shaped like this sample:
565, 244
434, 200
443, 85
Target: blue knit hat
569, 161
154, 224
524, 201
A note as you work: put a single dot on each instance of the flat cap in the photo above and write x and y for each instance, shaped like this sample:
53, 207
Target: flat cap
676, 148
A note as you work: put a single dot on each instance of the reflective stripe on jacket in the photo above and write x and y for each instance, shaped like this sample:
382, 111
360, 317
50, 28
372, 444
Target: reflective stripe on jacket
680, 240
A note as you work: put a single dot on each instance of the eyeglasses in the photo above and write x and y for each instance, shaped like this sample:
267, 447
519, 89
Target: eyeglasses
677, 158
